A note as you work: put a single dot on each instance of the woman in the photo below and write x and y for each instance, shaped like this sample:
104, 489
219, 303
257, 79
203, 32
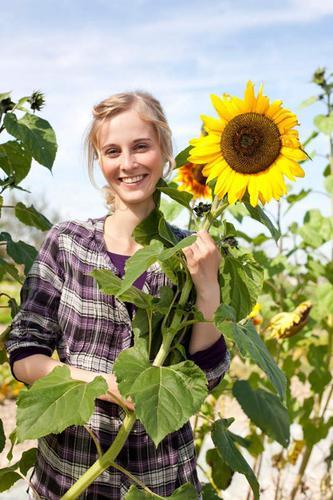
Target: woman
63, 309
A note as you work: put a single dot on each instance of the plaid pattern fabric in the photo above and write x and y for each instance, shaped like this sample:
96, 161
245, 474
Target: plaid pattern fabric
63, 309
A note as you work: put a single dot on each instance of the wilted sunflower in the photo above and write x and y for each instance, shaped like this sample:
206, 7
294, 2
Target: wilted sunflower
287, 324
193, 181
251, 146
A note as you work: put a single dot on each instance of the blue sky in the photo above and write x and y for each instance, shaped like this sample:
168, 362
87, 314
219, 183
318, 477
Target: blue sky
79, 52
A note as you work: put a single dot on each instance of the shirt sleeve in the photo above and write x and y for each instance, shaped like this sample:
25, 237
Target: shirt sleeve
35, 328
213, 361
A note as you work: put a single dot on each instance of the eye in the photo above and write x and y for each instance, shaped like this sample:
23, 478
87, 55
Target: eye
111, 152
141, 146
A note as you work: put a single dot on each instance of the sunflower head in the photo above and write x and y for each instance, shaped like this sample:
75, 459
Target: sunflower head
250, 147
287, 324
191, 179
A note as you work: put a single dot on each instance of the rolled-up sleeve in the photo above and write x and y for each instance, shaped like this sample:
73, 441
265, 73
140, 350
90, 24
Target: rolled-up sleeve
35, 327
213, 361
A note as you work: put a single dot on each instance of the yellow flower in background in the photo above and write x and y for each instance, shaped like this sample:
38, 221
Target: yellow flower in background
191, 179
285, 324
250, 147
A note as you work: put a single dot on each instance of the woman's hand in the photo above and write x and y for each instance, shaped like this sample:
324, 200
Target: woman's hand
203, 259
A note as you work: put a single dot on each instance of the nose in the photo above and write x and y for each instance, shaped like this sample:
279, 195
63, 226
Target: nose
128, 161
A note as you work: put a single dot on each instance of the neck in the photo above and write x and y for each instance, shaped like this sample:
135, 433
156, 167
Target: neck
124, 220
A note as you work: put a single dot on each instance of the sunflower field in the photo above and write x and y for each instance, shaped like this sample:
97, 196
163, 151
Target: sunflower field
269, 420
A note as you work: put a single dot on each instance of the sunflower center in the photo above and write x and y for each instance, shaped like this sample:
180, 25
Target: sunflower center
197, 174
250, 143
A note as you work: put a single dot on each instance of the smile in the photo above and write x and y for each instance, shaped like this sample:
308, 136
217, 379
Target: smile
133, 180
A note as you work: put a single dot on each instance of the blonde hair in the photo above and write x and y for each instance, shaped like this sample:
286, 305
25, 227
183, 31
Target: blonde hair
149, 109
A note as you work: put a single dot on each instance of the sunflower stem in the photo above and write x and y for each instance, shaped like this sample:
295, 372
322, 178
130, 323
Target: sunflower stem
212, 214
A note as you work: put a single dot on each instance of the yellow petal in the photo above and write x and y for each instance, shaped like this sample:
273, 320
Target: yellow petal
293, 153
253, 190
287, 124
212, 124
262, 102
249, 97
273, 109
290, 140
222, 108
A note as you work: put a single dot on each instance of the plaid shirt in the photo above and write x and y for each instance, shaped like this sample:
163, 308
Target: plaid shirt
62, 308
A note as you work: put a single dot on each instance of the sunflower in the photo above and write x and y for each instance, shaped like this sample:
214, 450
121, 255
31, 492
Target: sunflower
250, 147
287, 324
192, 180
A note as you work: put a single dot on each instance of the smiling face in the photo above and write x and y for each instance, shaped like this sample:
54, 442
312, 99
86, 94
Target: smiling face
130, 158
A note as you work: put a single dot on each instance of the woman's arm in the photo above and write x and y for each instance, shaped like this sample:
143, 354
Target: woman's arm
33, 367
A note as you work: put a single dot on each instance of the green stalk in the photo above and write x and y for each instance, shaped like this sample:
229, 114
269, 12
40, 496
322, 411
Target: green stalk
176, 321
103, 462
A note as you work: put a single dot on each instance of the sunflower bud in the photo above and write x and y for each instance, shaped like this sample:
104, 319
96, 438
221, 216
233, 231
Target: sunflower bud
6, 105
319, 77
36, 100
286, 324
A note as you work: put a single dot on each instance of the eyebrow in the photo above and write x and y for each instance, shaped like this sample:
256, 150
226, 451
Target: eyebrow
134, 142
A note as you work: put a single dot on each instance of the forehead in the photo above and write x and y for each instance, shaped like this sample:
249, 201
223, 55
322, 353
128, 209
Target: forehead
126, 126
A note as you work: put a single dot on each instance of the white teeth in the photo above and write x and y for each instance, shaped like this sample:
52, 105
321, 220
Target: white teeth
131, 180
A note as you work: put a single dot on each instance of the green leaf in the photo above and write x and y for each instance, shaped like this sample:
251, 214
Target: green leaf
251, 346
36, 134
13, 440
31, 217
166, 397
6, 267
265, 410
221, 472
28, 460
170, 252
241, 280
208, 492
110, 284
55, 402
224, 313
19, 251
231, 455
323, 304
8, 477
130, 364
316, 229
166, 233
182, 157
171, 210
182, 197
2, 437
15, 160
147, 230
258, 214
294, 198
140, 262
5, 95
324, 123
307, 102
329, 184
185, 492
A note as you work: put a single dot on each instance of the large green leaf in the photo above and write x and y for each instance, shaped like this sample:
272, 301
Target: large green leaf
251, 346
265, 410
6, 267
147, 230
317, 229
140, 262
130, 364
166, 397
329, 184
110, 284
19, 251
9, 476
31, 217
221, 472
185, 492
258, 214
182, 197
36, 134
324, 123
241, 280
182, 157
55, 402
223, 441
170, 209
15, 160
208, 492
